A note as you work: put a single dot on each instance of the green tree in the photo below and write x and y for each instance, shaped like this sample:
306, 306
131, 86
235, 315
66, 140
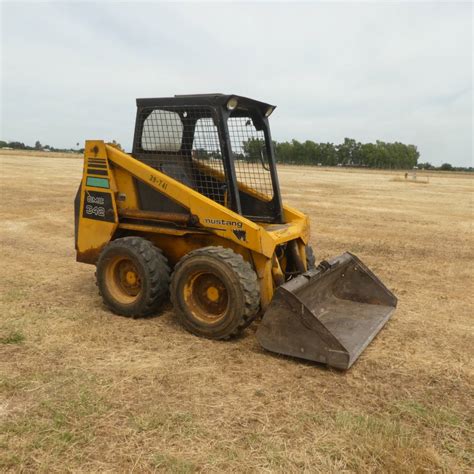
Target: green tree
17, 145
253, 149
113, 143
348, 152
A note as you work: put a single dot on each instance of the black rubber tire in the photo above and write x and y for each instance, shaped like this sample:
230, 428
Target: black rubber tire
153, 270
239, 280
310, 258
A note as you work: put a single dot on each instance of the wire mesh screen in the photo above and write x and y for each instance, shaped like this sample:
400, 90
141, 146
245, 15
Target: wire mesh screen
206, 145
162, 131
183, 142
250, 155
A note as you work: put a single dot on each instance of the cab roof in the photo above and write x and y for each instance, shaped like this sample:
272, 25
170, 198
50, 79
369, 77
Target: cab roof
215, 99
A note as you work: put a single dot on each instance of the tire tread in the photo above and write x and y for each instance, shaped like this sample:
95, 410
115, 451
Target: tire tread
156, 266
245, 273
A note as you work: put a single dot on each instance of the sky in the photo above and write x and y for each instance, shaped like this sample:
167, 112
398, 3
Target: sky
71, 71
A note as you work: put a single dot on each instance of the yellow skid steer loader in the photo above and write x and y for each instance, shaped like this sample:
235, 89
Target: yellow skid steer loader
199, 194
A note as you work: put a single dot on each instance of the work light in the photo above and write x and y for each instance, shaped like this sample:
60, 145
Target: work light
269, 111
232, 103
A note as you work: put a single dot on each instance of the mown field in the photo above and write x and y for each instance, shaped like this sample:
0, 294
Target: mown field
86, 391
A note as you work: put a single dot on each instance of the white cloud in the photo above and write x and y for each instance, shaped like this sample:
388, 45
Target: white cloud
390, 71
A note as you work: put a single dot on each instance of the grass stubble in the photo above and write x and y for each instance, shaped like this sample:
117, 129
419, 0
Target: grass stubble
84, 390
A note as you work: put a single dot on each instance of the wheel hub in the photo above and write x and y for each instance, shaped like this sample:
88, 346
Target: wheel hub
131, 278
212, 294
207, 296
123, 280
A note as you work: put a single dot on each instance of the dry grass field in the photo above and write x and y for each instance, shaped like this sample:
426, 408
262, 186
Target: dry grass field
86, 391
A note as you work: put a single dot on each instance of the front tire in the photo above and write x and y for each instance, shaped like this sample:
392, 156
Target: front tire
133, 277
215, 292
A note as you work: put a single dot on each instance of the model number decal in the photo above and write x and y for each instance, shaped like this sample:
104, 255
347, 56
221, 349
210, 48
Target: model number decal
95, 210
98, 206
95, 200
159, 182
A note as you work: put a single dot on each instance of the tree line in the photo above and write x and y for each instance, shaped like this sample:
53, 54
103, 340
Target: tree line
38, 146
349, 153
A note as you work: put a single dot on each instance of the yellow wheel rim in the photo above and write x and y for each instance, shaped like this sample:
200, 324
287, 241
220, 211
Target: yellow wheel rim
123, 280
206, 296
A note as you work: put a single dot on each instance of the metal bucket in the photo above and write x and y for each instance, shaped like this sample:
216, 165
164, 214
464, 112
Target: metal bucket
329, 314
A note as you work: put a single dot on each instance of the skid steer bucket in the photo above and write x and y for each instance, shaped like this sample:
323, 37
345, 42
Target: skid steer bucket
328, 314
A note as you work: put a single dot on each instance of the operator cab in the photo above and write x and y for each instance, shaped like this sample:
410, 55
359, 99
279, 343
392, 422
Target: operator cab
219, 145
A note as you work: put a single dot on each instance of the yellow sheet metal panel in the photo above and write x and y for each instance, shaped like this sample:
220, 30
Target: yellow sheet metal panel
263, 268
280, 233
127, 197
98, 217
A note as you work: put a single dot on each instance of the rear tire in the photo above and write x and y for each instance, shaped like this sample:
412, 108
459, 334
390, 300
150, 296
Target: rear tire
215, 292
133, 277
